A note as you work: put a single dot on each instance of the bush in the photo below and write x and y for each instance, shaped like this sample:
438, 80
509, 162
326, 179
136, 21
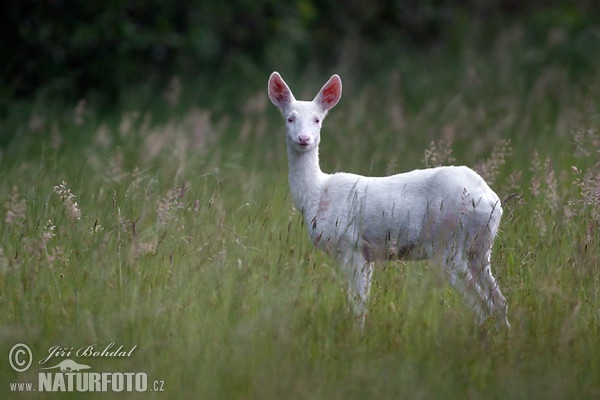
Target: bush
77, 47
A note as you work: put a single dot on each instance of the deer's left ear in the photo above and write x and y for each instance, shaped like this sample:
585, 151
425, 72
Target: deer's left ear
330, 93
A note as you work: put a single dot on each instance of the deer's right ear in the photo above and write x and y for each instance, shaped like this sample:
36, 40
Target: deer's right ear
279, 92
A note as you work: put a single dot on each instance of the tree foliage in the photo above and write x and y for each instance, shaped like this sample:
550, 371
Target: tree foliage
75, 47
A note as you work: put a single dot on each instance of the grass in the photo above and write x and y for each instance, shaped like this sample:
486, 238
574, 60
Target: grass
177, 235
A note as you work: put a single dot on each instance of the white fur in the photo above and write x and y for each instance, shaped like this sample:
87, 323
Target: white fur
447, 214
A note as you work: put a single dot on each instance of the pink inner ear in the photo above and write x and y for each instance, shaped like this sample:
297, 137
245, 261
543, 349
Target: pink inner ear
279, 92
330, 95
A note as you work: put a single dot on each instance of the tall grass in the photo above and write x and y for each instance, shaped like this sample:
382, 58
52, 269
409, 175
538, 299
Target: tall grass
179, 237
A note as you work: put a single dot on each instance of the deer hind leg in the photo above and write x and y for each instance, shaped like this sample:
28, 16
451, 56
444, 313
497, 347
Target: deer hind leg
453, 260
496, 304
359, 273
462, 280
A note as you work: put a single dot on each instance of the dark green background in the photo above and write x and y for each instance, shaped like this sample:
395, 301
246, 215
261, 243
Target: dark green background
76, 48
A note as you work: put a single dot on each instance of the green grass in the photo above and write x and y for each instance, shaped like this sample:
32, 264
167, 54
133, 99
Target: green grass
187, 245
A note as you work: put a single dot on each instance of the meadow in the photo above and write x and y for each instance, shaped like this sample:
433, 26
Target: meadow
170, 228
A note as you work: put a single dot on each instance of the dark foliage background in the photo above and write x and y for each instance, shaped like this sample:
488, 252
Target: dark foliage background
76, 48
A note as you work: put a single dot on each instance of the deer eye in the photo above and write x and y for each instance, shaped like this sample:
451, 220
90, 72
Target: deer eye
290, 119
317, 121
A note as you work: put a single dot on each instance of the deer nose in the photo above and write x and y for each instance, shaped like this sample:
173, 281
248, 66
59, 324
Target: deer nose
303, 140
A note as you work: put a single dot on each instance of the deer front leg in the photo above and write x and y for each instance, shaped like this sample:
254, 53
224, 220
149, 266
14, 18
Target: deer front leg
359, 273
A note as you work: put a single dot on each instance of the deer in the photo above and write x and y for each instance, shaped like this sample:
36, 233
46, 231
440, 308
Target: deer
448, 214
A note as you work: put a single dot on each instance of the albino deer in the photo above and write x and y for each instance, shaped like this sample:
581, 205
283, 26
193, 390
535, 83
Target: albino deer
446, 214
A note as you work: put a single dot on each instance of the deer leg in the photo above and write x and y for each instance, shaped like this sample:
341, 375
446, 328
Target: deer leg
460, 277
496, 304
359, 273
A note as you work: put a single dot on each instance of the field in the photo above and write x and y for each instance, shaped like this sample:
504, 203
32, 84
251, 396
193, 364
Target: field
169, 230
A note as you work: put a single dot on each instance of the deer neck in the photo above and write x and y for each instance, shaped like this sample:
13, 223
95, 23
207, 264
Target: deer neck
306, 180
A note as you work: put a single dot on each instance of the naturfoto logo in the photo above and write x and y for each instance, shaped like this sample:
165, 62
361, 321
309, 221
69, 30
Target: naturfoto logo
60, 373
69, 366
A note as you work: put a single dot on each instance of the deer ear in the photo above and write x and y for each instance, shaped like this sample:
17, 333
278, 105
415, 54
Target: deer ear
279, 92
330, 93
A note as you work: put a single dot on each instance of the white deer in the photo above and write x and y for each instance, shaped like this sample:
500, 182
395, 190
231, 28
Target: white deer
446, 214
